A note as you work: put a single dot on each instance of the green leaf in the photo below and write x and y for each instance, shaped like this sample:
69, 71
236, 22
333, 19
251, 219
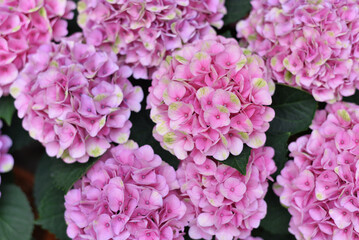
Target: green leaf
43, 180
227, 34
280, 143
52, 180
187, 237
294, 110
65, 175
236, 10
7, 109
141, 132
353, 99
16, 218
277, 219
51, 212
260, 232
142, 127
239, 162
16, 131
49, 199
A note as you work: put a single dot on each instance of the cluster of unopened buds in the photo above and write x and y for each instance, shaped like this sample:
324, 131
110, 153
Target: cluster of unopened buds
310, 44
24, 26
226, 204
75, 99
319, 186
142, 33
6, 160
209, 98
128, 194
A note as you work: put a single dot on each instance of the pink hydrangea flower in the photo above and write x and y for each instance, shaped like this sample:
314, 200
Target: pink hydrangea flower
209, 98
225, 203
310, 44
142, 33
319, 186
130, 193
75, 100
24, 26
6, 160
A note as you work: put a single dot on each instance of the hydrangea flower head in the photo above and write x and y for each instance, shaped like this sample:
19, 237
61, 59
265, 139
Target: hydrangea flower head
225, 203
142, 33
6, 160
310, 44
24, 26
128, 194
209, 98
319, 186
75, 100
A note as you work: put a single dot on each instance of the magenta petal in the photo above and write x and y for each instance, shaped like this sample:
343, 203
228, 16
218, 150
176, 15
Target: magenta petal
341, 218
59, 29
103, 227
8, 74
96, 146
6, 57
77, 149
6, 163
10, 24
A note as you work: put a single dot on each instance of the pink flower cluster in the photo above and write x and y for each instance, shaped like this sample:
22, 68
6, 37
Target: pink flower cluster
75, 100
208, 99
312, 44
226, 204
142, 33
6, 160
128, 194
320, 185
24, 26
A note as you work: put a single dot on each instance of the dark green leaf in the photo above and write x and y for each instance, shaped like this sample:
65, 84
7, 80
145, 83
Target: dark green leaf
16, 131
294, 110
7, 178
7, 109
142, 127
43, 180
280, 143
51, 212
141, 132
65, 175
227, 34
277, 218
187, 237
260, 232
73, 27
49, 199
239, 162
236, 10
16, 218
352, 99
